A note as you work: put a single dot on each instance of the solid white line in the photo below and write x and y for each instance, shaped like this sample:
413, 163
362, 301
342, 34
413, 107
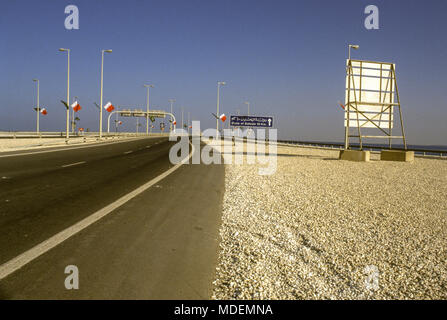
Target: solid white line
72, 164
18, 262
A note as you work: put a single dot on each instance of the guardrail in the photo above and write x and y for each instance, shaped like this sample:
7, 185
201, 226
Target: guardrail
47, 139
57, 134
324, 145
417, 151
339, 146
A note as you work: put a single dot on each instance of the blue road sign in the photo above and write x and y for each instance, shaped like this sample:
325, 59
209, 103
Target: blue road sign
251, 121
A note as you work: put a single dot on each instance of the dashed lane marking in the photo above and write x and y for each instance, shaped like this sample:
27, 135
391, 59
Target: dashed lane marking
73, 164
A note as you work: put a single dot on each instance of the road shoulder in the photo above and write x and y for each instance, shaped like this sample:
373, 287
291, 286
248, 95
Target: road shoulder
160, 245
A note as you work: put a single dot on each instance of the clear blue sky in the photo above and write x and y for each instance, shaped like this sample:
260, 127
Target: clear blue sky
286, 57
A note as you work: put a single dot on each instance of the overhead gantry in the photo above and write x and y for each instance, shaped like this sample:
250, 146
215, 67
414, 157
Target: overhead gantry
140, 113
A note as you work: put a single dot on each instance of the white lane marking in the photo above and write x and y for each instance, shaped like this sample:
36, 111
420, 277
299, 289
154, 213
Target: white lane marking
18, 262
99, 144
73, 164
127, 152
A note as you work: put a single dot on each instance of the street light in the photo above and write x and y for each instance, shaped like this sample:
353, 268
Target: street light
353, 46
248, 105
38, 106
147, 107
219, 83
238, 113
171, 101
100, 102
189, 114
116, 120
182, 120
73, 124
68, 90
138, 124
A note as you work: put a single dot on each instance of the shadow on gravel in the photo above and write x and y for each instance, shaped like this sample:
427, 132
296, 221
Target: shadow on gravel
4, 295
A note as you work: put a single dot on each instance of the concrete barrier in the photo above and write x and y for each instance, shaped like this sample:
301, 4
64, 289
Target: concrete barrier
355, 155
396, 155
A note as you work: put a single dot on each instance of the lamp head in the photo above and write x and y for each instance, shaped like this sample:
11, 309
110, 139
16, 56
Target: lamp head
108, 50
354, 46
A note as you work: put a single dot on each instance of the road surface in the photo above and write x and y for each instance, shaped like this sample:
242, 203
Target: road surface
161, 244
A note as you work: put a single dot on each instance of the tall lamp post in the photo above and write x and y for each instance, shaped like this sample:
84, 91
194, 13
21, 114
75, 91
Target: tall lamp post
248, 107
238, 113
188, 124
138, 124
38, 106
171, 101
116, 119
219, 83
68, 90
73, 117
148, 86
182, 119
353, 46
100, 100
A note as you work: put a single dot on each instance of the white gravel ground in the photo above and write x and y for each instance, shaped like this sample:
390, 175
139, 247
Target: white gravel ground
30, 143
321, 228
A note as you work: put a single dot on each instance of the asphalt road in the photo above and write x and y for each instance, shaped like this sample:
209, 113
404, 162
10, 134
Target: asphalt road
162, 244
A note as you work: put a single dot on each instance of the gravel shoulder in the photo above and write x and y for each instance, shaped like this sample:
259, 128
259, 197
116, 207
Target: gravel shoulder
38, 143
321, 228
